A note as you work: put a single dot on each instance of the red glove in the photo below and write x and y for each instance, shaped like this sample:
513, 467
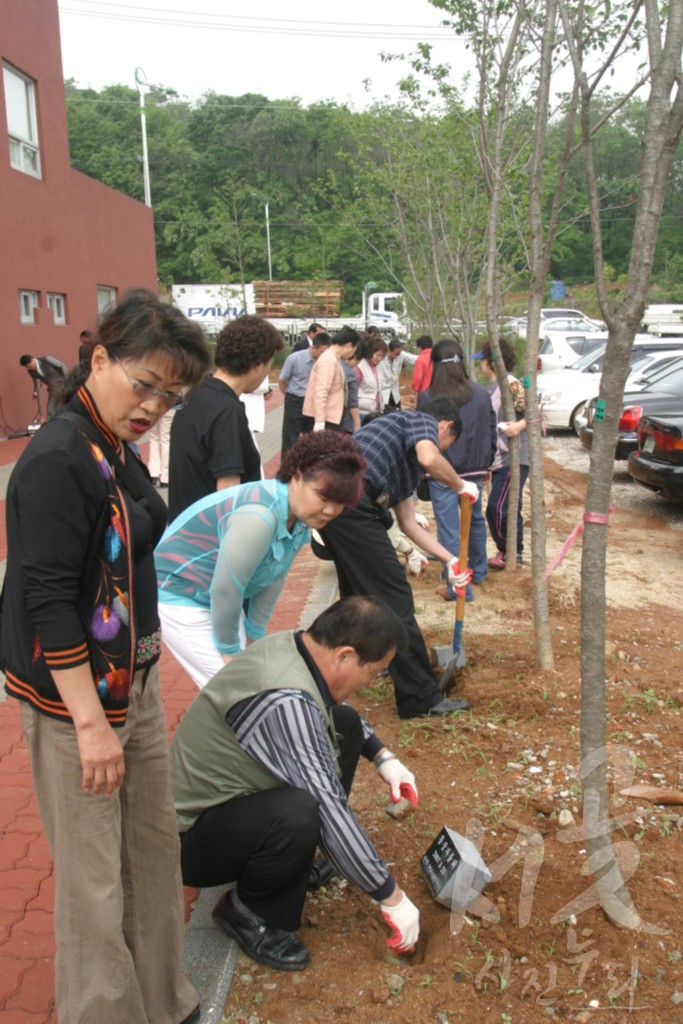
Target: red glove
401, 782
404, 921
458, 580
470, 489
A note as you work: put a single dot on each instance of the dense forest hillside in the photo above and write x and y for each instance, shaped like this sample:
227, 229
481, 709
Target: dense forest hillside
354, 196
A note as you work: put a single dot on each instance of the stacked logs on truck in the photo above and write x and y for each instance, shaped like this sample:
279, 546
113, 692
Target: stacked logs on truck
304, 299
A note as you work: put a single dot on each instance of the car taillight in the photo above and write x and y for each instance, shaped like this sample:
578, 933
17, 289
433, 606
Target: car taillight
630, 416
539, 365
666, 439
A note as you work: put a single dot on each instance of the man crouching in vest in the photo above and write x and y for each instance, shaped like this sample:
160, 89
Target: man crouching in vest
262, 765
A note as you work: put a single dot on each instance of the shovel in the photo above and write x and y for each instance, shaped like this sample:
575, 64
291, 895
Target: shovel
458, 659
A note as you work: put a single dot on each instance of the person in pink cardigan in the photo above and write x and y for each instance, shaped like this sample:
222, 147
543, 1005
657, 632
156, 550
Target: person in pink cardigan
326, 392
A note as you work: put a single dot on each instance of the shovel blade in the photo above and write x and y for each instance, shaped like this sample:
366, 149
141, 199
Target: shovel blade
453, 667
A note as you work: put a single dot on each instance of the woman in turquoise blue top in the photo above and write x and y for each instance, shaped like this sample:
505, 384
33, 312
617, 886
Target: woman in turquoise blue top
221, 565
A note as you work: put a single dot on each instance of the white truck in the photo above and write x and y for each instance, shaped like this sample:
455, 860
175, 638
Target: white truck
290, 306
663, 319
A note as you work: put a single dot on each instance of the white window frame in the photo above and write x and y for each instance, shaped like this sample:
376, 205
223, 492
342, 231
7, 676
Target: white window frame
106, 297
28, 301
24, 149
56, 301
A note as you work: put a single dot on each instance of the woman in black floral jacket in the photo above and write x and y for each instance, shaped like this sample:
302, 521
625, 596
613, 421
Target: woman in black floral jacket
80, 647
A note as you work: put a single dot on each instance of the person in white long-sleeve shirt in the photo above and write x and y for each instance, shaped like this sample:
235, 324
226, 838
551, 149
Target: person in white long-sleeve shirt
390, 373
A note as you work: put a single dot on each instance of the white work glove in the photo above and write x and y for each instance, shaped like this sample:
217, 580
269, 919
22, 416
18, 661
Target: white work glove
400, 781
470, 489
319, 426
404, 921
456, 578
415, 561
422, 520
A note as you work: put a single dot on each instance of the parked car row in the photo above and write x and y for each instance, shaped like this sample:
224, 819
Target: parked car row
650, 434
565, 392
660, 395
657, 463
571, 357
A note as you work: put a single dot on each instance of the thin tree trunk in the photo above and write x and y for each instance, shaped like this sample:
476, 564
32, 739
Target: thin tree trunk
663, 125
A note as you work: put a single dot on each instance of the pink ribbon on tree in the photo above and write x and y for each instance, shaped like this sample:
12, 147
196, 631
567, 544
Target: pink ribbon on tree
599, 518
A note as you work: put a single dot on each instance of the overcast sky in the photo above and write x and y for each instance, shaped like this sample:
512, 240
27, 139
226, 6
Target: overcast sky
314, 51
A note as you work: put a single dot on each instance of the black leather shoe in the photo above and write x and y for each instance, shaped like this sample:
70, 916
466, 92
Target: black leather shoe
193, 1017
447, 707
270, 946
321, 873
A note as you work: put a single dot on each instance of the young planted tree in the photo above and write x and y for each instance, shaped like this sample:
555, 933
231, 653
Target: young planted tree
514, 73
662, 127
543, 219
418, 206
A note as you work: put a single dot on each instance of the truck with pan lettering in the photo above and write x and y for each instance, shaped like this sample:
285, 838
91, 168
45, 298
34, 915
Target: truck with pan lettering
290, 306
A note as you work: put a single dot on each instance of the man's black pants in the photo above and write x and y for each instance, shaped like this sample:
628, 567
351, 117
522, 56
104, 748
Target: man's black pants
266, 842
367, 564
294, 423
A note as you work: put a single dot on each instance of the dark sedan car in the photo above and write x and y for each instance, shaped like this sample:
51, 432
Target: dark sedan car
661, 396
658, 461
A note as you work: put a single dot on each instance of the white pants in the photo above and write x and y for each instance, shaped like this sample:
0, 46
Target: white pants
159, 447
188, 634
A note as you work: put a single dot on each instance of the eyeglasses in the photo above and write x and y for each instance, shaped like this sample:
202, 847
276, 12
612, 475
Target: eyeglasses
171, 399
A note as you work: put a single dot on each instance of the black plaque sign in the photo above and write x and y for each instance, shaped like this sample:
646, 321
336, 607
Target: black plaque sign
454, 870
440, 862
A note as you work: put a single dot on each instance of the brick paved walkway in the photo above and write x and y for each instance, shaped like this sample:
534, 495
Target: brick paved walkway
26, 873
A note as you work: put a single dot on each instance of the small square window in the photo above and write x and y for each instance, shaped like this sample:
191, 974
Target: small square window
22, 121
106, 297
57, 303
28, 300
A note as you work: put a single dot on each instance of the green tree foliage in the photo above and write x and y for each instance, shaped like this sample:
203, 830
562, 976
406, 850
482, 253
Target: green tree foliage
393, 194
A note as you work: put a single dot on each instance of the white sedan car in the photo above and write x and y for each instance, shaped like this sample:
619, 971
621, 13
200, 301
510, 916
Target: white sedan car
563, 342
574, 319
563, 393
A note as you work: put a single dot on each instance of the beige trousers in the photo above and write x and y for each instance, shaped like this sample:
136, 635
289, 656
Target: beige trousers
118, 914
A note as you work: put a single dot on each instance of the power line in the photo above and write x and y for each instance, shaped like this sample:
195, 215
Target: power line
254, 25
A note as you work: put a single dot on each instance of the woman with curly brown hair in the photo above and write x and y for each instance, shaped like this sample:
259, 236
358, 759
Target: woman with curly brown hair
226, 557
80, 647
211, 445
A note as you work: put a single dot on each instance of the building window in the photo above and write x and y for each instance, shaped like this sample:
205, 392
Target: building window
28, 301
22, 123
106, 297
57, 303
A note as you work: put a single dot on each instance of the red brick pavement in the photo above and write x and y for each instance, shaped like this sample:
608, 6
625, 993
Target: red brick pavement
26, 878
26, 873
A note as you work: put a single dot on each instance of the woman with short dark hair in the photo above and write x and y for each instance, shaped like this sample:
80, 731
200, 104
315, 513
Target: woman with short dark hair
497, 508
372, 351
326, 393
80, 646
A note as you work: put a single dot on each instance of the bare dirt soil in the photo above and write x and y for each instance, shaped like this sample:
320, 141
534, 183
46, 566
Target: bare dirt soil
512, 765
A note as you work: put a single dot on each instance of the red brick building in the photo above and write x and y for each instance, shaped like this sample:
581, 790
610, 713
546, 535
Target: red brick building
70, 245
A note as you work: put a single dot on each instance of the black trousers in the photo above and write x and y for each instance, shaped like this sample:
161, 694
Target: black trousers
294, 423
366, 563
266, 842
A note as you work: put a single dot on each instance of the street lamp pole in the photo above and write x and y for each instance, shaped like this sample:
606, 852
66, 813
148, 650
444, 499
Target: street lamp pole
270, 261
141, 84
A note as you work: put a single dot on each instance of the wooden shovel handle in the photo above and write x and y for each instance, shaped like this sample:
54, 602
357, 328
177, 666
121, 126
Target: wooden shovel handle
463, 551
